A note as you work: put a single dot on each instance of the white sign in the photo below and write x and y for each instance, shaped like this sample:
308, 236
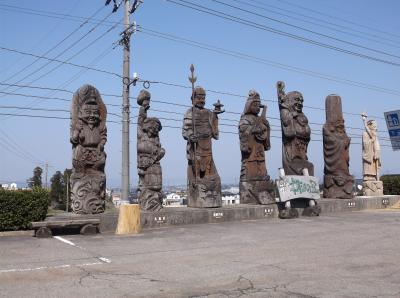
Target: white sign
393, 125
295, 187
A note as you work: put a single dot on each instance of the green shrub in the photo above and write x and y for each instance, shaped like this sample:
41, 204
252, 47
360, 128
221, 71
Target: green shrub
391, 184
18, 208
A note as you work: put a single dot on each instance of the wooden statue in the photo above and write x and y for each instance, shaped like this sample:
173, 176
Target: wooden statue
88, 137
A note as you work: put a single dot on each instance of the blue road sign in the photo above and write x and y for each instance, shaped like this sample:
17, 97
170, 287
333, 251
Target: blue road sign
393, 125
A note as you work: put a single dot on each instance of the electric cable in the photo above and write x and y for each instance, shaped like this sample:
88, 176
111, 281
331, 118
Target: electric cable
255, 59
236, 19
308, 30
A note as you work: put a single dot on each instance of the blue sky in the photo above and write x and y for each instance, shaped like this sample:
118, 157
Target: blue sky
35, 27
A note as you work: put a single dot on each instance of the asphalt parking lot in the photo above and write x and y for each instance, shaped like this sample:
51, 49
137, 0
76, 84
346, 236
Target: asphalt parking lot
352, 254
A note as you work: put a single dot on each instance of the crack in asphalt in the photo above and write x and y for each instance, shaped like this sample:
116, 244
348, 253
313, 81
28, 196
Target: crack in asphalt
249, 289
105, 276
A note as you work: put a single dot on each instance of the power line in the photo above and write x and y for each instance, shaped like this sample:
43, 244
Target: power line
157, 101
44, 117
323, 21
55, 46
17, 148
235, 95
34, 87
16, 153
341, 19
44, 37
314, 132
45, 109
252, 24
153, 100
157, 110
77, 75
64, 51
48, 97
307, 30
255, 59
58, 61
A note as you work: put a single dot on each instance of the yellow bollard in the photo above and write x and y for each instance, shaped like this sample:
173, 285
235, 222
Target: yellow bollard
128, 219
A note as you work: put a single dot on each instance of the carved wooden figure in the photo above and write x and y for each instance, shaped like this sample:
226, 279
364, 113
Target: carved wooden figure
200, 126
371, 157
149, 154
295, 132
88, 137
338, 183
254, 134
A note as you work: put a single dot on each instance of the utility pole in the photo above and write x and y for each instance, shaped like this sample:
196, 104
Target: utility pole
125, 107
46, 169
126, 82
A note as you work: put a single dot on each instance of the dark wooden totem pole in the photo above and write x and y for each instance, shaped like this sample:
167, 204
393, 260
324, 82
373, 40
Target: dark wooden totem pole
88, 137
338, 183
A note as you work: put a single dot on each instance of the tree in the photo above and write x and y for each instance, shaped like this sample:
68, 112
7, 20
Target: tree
57, 189
36, 180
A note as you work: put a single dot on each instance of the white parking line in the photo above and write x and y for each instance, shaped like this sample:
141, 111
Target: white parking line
49, 267
103, 259
64, 240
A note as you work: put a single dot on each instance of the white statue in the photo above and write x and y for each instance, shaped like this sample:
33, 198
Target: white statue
371, 156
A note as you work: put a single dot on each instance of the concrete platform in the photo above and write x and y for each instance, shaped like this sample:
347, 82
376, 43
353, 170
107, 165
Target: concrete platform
176, 216
342, 254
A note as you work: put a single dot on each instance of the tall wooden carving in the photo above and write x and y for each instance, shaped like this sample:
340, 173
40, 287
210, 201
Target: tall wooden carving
254, 134
200, 126
149, 154
88, 137
295, 132
338, 183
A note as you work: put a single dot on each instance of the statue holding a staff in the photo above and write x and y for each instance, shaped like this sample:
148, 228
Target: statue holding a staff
200, 126
371, 157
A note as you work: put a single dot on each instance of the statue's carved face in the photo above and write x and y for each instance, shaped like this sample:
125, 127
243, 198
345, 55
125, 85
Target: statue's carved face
90, 114
199, 100
255, 107
146, 103
298, 103
372, 125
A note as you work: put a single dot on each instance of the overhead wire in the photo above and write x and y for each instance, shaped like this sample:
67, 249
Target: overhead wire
311, 73
319, 22
58, 61
56, 45
307, 30
17, 148
79, 52
41, 41
53, 14
338, 18
255, 59
236, 19
170, 126
235, 95
64, 51
322, 21
314, 132
170, 102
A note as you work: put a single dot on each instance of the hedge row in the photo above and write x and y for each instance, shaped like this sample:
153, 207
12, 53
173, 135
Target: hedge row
18, 208
391, 184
